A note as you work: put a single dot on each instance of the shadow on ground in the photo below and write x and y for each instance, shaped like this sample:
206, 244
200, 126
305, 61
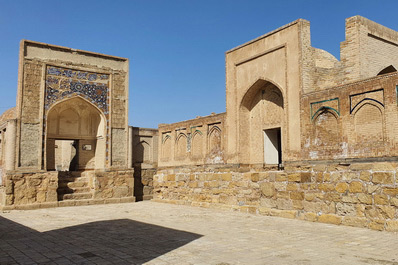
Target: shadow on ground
120, 241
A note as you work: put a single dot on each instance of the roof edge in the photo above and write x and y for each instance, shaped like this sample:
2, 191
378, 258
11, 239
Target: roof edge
67, 49
267, 34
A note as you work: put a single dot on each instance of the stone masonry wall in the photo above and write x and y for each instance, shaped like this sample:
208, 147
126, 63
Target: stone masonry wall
360, 194
30, 188
113, 184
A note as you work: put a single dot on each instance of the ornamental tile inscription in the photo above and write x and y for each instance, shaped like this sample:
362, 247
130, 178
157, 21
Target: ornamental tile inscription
64, 83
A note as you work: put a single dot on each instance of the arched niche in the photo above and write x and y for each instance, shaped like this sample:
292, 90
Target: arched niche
181, 146
368, 121
142, 152
166, 148
261, 124
75, 135
214, 139
326, 127
197, 144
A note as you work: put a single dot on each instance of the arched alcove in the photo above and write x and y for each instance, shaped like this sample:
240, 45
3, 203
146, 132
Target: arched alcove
326, 127
181, 146
368, 122
75, 136
214, 139
261, 123
142, 152
197, 144
166, 148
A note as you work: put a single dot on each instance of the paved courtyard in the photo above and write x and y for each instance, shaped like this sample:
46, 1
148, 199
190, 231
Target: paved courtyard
157, 233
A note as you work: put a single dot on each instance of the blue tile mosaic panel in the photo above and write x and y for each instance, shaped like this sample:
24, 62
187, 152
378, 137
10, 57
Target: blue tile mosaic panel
63, 83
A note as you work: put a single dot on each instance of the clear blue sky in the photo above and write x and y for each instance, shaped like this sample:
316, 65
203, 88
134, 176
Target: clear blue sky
176, 48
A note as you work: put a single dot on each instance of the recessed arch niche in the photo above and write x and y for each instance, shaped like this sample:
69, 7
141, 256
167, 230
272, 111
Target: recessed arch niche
261, 113
75, 133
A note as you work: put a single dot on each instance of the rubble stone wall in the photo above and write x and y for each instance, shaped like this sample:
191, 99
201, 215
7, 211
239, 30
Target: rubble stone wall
113, 184
30, 188
359, 194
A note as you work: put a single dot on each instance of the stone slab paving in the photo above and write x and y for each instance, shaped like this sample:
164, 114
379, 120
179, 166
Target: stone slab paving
159, 233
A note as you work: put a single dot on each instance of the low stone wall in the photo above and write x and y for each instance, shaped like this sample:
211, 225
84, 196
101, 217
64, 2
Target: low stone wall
360, 194
39, 190
113, 184
30, 188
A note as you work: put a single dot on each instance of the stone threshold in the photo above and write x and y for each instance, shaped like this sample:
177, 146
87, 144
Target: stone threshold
67, 203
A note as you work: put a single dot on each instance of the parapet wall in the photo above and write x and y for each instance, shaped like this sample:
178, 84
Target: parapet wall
360, 194
193, 142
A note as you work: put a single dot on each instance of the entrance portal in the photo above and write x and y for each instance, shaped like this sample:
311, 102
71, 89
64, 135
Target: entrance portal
272, 146
75, 136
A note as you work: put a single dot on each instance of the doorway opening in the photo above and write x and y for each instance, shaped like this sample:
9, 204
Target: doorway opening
273, 147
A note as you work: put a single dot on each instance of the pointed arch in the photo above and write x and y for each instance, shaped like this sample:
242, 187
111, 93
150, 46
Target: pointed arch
75, 121
142, 152
261, 108
214, 139
368, 121
326, 125
387, 70
181, 146
197, 144
166, 147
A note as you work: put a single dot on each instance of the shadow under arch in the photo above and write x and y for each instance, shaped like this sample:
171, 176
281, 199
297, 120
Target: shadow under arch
75, 123
387, 70
261, 109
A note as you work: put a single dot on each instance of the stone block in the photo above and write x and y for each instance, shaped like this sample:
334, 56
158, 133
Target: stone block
281, 177
312, 217
383, 167
330, 219
356, 187
294, 177
365, 176
377, 225
355, 221
326, 187
291, 214
297, 195
365, 198
392, 225
345, 209
267, 189
305, 177
394, 201
388, 212
341, 187
383, 178
284, 204
391, 191
254, 177
298, 204
226, 176
361, 166
380, 199
292, 187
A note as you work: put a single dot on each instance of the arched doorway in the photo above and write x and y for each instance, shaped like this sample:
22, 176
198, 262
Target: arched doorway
75, 136
261, 123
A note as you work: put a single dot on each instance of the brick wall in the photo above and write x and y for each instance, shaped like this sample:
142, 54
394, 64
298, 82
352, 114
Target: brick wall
194, 142
357, 120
